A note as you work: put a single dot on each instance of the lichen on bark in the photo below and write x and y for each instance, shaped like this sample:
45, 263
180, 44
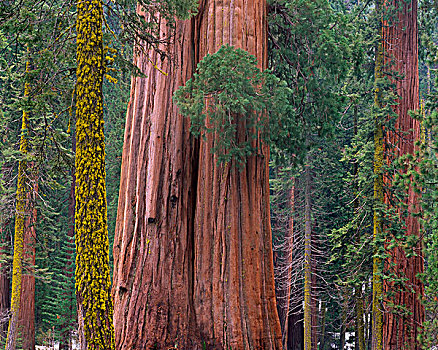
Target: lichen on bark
93, 285
20, 218
377, 315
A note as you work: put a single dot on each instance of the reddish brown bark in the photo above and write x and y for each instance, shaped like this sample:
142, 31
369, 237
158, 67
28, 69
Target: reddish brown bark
26, 318
401, 56
234, 287
153, 245
192, 251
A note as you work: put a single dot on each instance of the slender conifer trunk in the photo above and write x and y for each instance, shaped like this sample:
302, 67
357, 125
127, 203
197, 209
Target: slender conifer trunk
358, 295
323, 325
289, 261
21, 209
307, 261
377, 312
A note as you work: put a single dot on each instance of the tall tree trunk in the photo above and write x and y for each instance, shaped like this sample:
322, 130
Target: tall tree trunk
21, 209
290, 239
234, 285
26, 318
359, 322
401, 56
377, 312
323, 322
313, 297
93, 285
192, 252
153, 244
296, 330
307, 261
358, 295
343, 320
70, 318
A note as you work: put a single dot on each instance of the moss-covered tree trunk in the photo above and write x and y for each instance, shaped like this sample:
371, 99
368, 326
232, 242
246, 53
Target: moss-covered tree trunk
93, 285
192, 251
21, 209
377, 310
401, 56
358, 294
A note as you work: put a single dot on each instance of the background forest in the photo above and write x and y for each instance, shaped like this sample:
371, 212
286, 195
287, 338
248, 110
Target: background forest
186, 242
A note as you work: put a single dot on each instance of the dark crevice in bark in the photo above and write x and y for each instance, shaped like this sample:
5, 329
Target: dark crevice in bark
191, 236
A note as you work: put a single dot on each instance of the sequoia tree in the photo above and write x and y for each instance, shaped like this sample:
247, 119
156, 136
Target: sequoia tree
400, 41
192, 251
26, 318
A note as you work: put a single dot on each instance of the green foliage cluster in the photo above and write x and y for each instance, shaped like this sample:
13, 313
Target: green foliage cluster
310, 46
426, 175
229, 90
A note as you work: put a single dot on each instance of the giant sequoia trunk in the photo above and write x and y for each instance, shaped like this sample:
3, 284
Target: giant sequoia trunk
26, 318
234, 280
401, 55
153, 244
192, 251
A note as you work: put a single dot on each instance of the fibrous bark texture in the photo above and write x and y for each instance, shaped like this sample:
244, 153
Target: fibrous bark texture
192, 251
234, 287
401, 56
26, 318
153, 245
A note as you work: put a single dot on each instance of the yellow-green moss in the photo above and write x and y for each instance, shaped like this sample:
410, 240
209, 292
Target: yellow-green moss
20, 217
93, 284
377, 325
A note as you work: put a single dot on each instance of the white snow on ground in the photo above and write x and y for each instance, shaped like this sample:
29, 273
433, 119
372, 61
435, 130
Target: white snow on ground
52, 345
349, 341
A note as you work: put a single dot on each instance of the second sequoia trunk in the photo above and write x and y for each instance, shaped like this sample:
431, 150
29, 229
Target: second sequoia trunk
400, 40
192, 252
234, 280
